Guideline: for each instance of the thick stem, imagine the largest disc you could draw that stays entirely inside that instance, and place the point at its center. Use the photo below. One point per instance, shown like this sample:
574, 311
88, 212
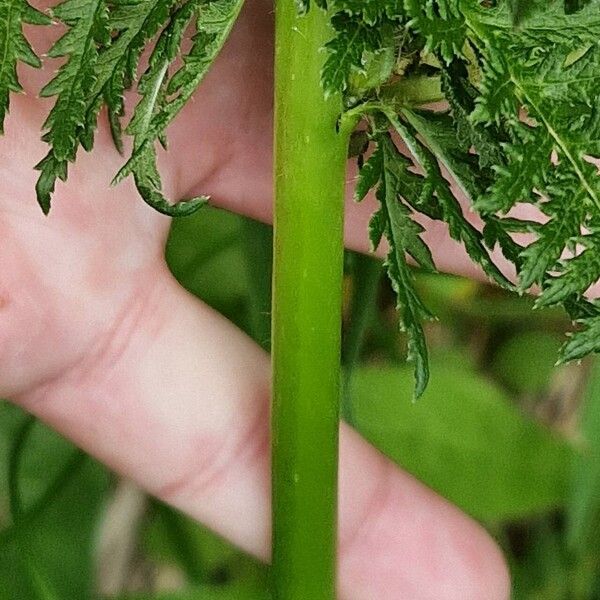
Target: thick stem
310, 166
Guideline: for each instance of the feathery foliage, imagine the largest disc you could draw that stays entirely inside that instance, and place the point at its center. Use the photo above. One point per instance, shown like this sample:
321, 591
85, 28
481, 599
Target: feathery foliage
102, 50
164, 95
387, 170
15, 48
520, 124
517, 122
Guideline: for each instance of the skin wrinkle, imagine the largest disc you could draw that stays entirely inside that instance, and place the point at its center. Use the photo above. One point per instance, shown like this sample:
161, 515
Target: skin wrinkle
112, 414
93, 368
236, 449
17, 343
377, 496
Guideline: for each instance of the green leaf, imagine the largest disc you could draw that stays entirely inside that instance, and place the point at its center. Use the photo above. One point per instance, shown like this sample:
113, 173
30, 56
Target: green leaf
88, 28
59, 556
50, 169
562, 230
441, 23
388, 169
370, 11
205, 254
347, 51
498, 99
525, 362
523, 128
461, 95
525, 171
164, 97
15, 48
87, 22
582, 342
134, 25
369, 175
465, 439
102, 47
443, 138
458, 226
405, 231
576, 274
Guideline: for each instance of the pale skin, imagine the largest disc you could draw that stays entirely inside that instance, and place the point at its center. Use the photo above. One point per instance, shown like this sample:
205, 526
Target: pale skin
100, 342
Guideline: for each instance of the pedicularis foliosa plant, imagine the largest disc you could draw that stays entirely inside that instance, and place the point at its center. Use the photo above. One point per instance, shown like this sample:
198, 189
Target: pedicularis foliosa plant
516, 120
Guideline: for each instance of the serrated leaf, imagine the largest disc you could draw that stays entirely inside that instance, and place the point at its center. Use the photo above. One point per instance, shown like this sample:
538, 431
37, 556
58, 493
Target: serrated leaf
441, 23
163, 97
576, 275
406, 232
134, 24
102, 46
496, 232
387, 169
525, 170
15, 48
562, 229
377, 226
50, 169
461, 96
583, 342
370, 11
458, 226
88, 22
346, 52
87, 26
369, 174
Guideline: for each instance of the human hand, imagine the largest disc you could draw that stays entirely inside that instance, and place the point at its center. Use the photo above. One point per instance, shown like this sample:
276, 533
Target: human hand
98, 340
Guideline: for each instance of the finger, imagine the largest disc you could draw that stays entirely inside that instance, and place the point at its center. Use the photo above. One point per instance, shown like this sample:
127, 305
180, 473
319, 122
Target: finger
230, 158
256, 201
178, 401
229, 155
66, 276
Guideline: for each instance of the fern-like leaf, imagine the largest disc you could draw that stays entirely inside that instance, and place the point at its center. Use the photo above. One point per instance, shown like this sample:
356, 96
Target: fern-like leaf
164, 97
583, 342
15, 48
387, 170
87, 23
441, 23
459, 227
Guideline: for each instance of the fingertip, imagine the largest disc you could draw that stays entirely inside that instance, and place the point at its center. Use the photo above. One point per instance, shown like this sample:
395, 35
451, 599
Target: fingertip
483, 573
401, 541
500, 574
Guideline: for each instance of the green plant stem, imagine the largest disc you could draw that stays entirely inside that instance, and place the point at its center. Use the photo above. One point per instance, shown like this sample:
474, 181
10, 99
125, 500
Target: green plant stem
414, 91
310, 167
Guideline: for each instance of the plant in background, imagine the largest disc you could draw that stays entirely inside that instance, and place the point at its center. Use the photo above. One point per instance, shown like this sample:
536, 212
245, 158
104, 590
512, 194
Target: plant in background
519, 125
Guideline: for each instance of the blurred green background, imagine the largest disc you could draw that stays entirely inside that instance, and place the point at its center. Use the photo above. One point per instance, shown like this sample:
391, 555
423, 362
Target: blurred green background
512, 440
